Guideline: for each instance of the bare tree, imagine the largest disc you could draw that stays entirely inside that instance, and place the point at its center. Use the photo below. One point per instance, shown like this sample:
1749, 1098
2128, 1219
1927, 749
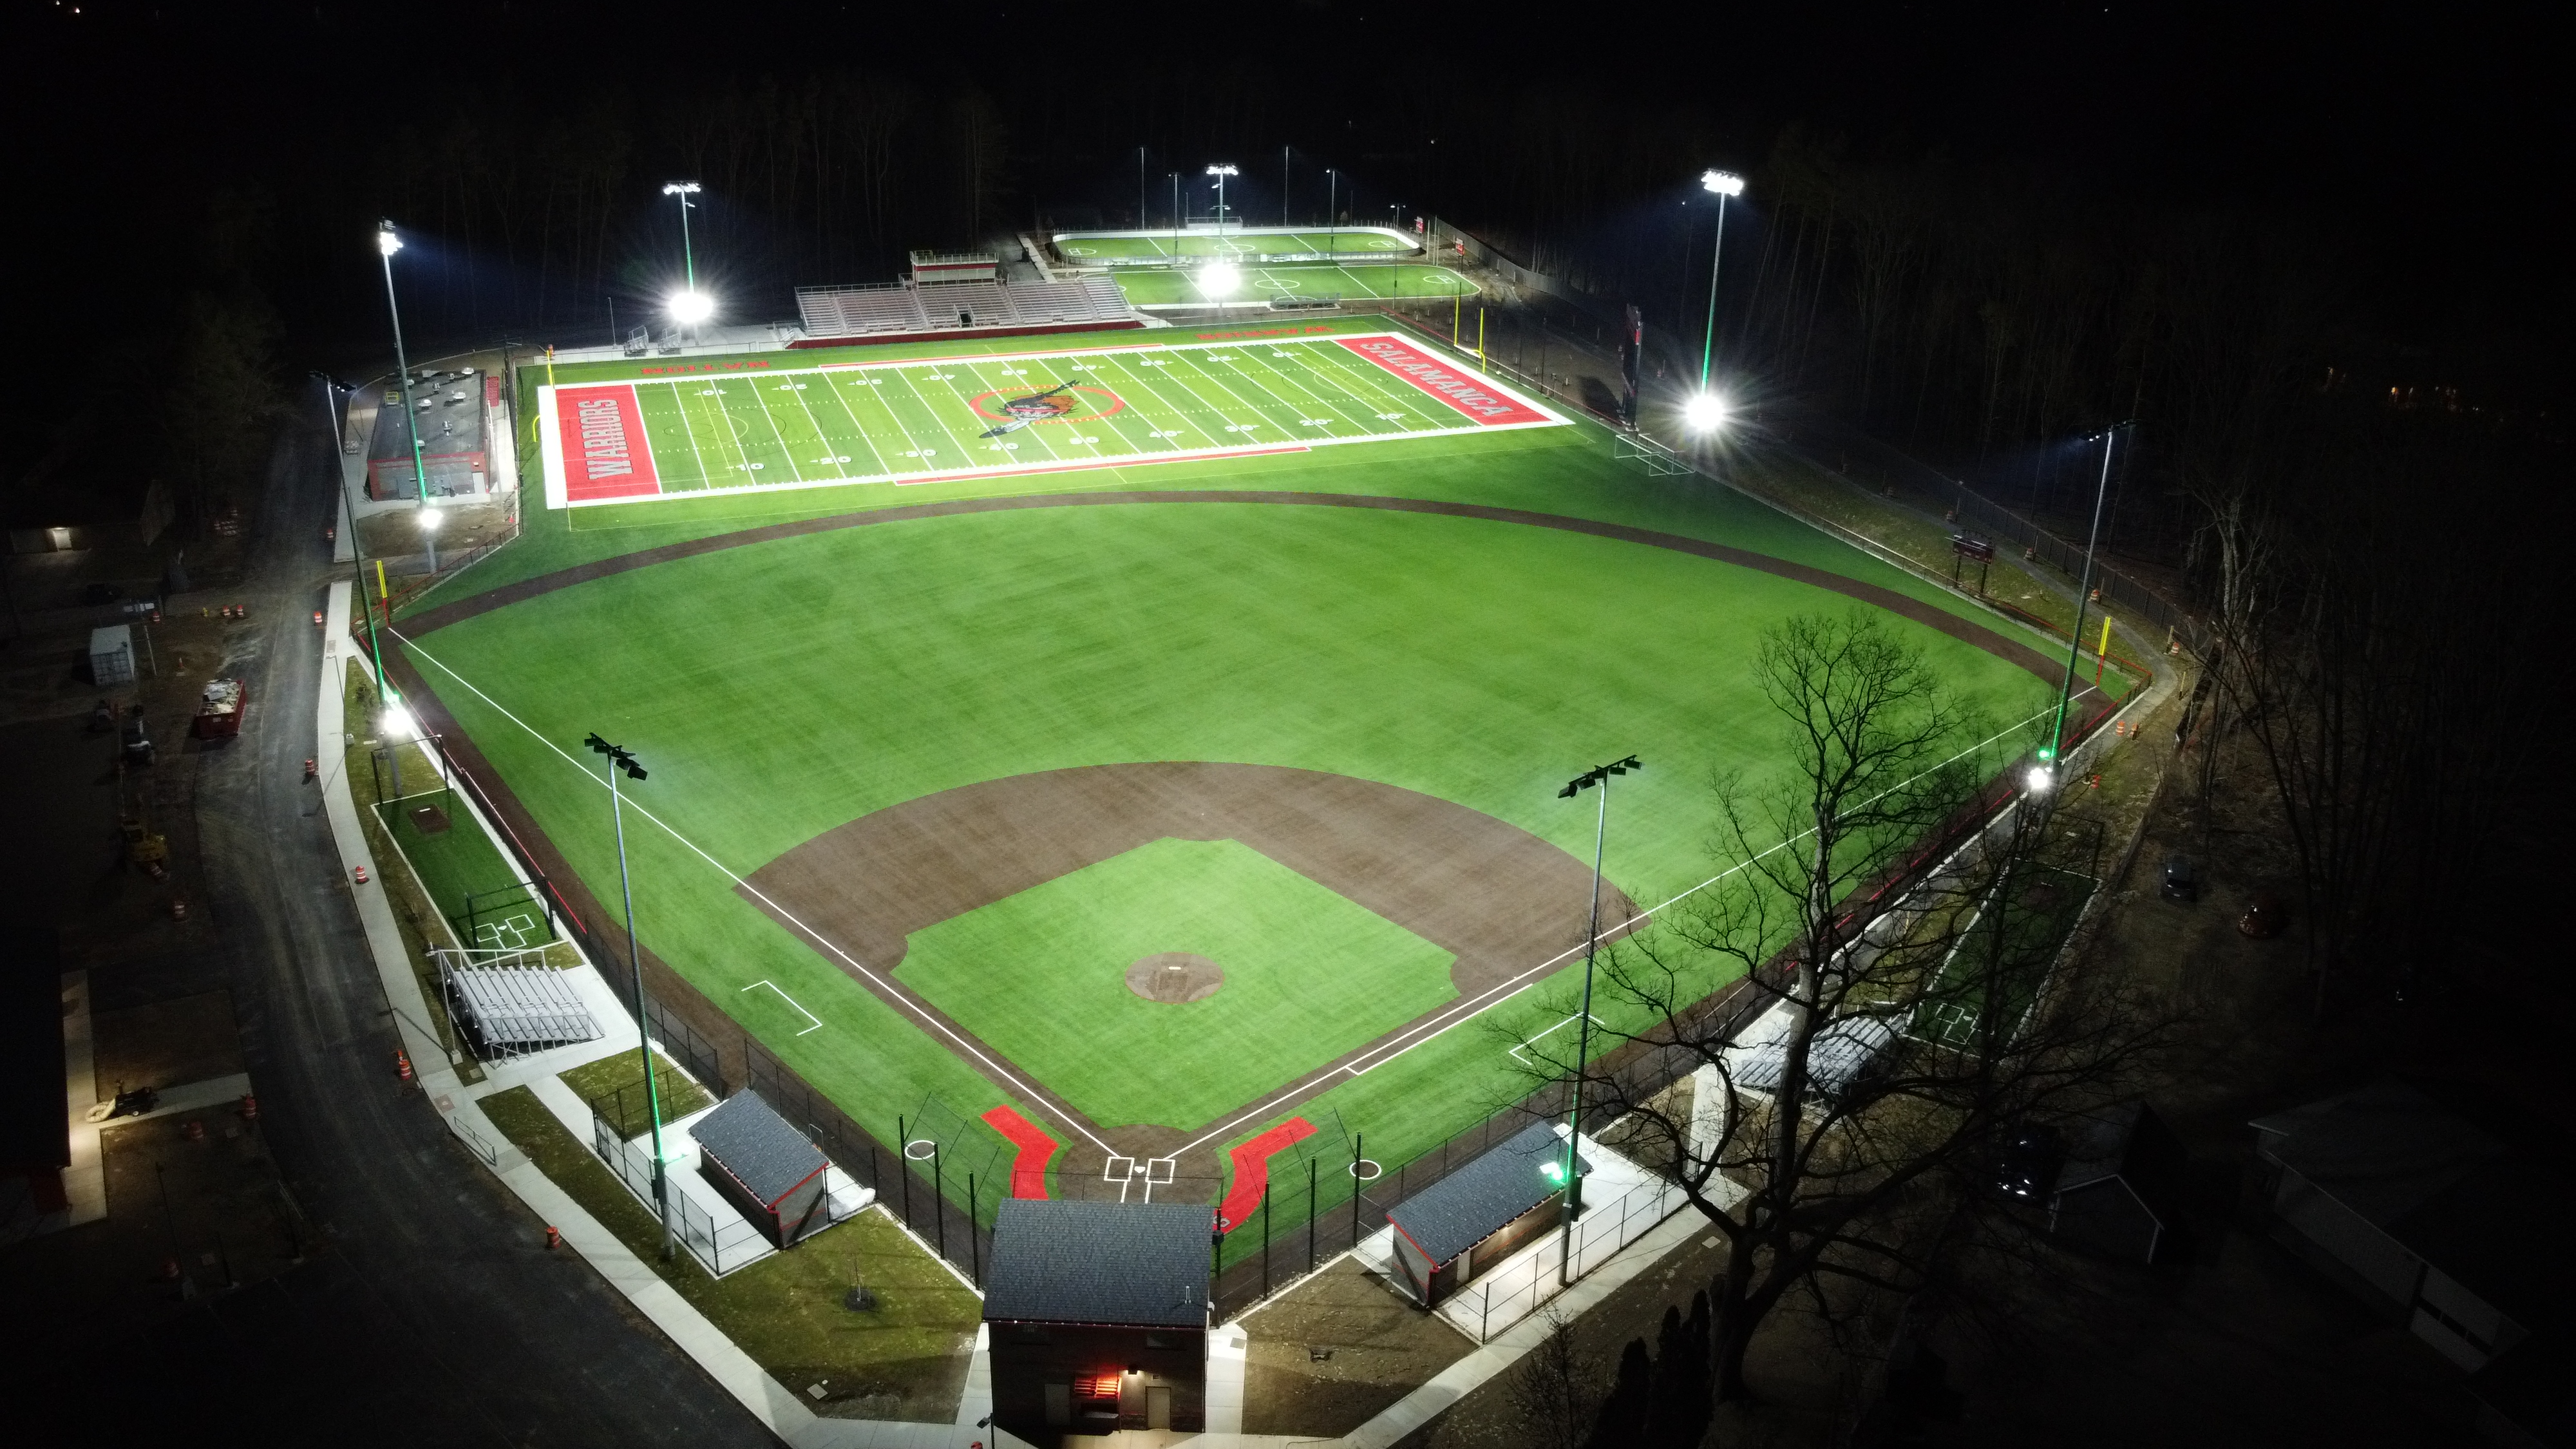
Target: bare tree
1905, 948
1554, 1391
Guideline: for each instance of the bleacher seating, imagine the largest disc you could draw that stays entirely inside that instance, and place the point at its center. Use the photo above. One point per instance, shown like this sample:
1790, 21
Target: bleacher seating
954, 306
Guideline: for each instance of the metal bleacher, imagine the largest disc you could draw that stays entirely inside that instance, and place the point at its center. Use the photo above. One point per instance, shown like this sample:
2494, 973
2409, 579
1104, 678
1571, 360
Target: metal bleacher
955, 306
513, 1009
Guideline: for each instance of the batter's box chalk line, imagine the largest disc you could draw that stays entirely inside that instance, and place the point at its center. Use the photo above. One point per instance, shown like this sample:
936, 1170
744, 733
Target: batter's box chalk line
1542, 1036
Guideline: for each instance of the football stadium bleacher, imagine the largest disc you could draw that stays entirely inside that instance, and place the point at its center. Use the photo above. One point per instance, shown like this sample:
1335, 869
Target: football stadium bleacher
832, 313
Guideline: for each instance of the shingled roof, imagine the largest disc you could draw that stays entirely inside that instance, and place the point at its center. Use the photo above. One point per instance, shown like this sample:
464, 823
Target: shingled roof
757, 1147
1142, 1265
1480, 1199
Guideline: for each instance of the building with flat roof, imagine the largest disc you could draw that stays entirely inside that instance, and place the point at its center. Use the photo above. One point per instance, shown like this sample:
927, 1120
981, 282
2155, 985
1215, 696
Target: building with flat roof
1475, 1217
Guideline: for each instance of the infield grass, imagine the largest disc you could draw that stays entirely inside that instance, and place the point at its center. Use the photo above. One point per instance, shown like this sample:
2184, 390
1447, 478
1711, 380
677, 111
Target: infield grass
1309, 975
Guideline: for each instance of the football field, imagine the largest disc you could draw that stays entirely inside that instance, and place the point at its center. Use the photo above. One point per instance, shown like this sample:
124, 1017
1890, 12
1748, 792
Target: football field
948, 418
1130, 248
1310, 282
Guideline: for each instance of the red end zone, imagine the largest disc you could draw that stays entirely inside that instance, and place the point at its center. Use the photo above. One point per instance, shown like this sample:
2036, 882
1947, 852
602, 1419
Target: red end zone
1485, 406
605, 453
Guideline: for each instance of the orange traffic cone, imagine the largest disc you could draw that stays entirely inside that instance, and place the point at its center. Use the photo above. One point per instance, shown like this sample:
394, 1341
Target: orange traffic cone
402, 1064
554, 1238
249, 1108
362, 875
178, 909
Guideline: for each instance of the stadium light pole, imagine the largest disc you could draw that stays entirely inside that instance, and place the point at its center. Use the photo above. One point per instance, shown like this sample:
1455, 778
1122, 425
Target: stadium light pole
1724, 184
2047, 768
1283, 188
621, 759
1333, 216
1176, 215
688, 256
389, 242
1569, 1175
1221, 172
1140, 188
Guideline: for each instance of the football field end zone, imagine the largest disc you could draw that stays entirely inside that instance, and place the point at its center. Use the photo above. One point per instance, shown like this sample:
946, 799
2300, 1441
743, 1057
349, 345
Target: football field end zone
1484, 404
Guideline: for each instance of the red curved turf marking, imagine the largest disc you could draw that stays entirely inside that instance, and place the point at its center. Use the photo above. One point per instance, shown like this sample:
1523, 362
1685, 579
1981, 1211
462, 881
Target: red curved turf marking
1028, 1170
1252, 1171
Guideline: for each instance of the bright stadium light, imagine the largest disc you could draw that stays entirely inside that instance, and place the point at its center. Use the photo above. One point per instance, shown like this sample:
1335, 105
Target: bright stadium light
397, 723
1706, 412
1724, 183
386, 242
2040, 778
691, 308
1219, 279
1220, 173
430, 518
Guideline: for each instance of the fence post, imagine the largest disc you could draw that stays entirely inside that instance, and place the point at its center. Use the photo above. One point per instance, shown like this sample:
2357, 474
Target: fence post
939, 1199
974, 1245
1310, 1214
1358, 1140
903, 1165
1265, 1239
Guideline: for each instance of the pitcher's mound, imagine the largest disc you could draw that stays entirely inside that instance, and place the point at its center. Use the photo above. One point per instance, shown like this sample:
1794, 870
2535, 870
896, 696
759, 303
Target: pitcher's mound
1175, 976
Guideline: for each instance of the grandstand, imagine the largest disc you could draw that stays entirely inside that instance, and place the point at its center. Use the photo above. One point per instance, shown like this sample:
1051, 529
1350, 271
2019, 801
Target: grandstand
975, 308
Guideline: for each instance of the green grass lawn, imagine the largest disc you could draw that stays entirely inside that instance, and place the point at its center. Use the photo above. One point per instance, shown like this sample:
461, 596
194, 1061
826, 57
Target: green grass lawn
1309, 975
1152, 246
615, 1084
1259, 283
1984, 975
906, 1359
460, 861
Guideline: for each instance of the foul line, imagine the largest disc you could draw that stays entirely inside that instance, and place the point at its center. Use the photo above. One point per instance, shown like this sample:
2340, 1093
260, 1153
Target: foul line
1030, 1093
1474, 1006
783, 996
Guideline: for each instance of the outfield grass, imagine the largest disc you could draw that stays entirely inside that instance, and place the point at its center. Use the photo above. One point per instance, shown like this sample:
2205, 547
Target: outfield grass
1176, 288
1309, 975
615, 1084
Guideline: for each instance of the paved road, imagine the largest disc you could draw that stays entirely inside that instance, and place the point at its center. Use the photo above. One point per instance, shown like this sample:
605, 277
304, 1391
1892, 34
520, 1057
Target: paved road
428, 1313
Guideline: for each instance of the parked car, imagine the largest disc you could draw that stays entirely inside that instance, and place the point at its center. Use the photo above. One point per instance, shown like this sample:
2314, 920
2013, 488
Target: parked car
2181, 884
138, 745
2262, 918
2027, 1167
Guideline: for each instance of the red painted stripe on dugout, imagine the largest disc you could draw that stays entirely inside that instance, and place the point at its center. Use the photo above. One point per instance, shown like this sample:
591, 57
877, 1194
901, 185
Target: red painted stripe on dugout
1486, 406
1252, 1171
1028, 1170
605, 453
1140, 459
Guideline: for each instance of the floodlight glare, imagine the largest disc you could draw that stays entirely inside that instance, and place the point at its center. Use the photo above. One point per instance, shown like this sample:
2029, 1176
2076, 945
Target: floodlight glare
386, 242
691, 308
1724, 183
397, 724
1218, 279
1705, 412
1224, 171
430, 518
680, 188
2040, 778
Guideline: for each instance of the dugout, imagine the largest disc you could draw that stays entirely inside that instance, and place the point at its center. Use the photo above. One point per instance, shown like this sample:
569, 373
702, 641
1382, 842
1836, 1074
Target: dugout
1477, 1216
764, 1166
1098, 1317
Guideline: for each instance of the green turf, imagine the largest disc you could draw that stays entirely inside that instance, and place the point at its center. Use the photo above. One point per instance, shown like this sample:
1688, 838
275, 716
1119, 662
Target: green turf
1983, 974
1115, 248
459, 860
1473, 661
1357, 284
1309, 975
907, 421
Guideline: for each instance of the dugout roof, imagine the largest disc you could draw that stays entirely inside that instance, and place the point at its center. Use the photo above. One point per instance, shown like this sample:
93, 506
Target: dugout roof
757, 1148
1140, 1265
1483, 1197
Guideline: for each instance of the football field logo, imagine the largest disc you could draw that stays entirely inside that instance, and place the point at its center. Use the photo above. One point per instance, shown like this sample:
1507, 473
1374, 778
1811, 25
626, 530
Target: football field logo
1061, 403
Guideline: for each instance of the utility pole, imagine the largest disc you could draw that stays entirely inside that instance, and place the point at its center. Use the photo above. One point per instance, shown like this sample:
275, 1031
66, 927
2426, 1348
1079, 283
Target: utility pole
1570, 1175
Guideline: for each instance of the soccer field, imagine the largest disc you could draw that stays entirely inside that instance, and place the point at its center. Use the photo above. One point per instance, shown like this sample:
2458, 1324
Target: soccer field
944, 419
1126, 248
1175, 287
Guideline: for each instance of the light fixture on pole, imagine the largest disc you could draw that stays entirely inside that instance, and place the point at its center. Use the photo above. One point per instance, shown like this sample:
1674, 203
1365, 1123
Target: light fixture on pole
623, 760
688, 308
1705, 412
1283, 188
1220, 173
2056, 746
1572, 1172
389, 242
1723, 184
1332, 217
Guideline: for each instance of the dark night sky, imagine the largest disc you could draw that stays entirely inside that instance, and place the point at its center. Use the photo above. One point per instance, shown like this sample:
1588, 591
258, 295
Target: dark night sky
2423, 136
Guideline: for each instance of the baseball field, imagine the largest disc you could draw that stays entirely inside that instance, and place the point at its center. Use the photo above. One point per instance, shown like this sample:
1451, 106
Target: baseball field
1168, 799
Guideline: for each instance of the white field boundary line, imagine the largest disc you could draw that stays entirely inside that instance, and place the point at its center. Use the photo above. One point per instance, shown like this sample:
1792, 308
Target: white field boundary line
1502, 991
790, 1000
1028, 1092
556, 495
1542, 1036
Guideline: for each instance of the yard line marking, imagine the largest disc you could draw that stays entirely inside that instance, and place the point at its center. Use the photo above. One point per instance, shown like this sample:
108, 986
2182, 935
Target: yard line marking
1029, 1092
1293, 380
680, 405
886, 408
914, 389
993, 445
831, 449
1182, 413
790, 1000
774, 432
